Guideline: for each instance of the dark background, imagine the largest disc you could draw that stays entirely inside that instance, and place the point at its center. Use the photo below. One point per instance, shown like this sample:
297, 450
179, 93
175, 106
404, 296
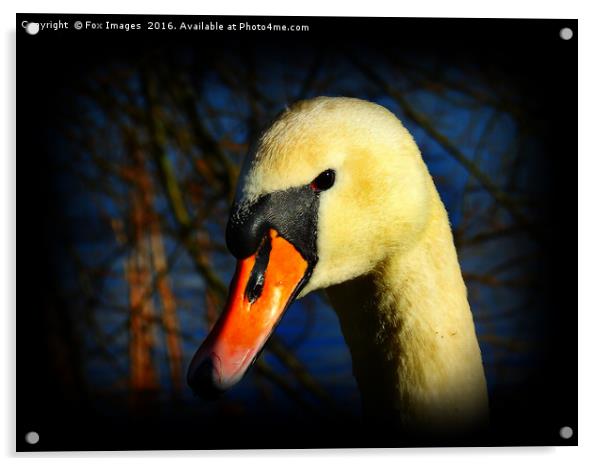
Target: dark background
108, 124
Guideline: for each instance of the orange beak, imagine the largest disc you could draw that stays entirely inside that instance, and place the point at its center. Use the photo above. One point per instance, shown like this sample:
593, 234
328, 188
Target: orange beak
262, 288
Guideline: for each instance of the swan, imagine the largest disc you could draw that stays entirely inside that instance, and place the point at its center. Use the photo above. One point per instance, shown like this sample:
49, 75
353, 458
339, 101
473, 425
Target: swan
335, 195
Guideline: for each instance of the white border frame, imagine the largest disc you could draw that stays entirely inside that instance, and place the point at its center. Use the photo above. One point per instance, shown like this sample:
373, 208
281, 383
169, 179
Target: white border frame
590, 227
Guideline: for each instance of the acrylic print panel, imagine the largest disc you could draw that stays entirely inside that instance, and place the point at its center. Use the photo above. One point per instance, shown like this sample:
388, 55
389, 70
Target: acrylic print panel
162, 158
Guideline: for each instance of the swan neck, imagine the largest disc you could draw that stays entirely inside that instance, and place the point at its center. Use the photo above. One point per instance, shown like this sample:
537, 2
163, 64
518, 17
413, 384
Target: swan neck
412, 339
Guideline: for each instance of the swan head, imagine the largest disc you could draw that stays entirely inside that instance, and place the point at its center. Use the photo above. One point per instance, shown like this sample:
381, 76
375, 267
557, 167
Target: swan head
330, 190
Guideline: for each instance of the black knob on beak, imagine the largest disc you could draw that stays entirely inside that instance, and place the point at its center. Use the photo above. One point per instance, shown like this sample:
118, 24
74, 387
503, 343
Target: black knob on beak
293, 213
247, 226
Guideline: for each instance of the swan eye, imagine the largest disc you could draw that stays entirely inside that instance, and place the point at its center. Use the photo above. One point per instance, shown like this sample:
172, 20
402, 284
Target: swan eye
323, 181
